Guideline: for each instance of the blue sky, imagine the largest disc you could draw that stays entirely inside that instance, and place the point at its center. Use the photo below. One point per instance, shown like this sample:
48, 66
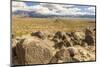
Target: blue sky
55, 9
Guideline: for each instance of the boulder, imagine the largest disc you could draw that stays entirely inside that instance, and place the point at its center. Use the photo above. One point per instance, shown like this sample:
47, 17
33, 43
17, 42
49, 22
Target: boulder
33, 50
62, 39
88, 31
59, 45
14, 43
12, 36
15, 60
83, 55
38, 34
59, 35
61, 56
72, 51
78, 37
67, 41
73, 54
89, 39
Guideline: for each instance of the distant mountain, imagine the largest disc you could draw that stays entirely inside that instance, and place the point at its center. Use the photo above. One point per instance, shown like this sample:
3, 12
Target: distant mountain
33, 14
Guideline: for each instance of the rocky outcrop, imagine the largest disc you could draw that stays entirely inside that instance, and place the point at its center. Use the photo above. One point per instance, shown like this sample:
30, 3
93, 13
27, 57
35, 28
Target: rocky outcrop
73, 54
57, 47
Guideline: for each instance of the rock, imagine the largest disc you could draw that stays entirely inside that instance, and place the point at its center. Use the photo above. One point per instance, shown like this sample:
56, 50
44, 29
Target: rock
18, 38
89, 40
89, 37
88, 32
67, 40
84, 44
94, 29
73, 54
72, 51
78, 37
69, 34
84, 55
64, 55
61, 56
49, 47
62, 39
33, 50
38, 34
59, 35
12, 36
15, 60
58, 45
14, 43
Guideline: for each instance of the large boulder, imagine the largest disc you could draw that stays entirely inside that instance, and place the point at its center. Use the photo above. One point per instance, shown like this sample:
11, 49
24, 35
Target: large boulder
33, 50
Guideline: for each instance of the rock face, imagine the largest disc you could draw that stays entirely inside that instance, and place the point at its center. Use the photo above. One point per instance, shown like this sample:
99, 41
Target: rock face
57, 47
33, 51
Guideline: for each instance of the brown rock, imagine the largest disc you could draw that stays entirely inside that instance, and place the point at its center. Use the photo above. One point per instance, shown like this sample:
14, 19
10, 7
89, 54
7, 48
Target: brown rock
33, 51
61, 56
38, 34
89, 37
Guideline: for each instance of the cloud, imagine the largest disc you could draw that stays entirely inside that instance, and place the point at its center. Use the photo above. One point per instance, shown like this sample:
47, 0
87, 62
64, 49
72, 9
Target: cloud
41, 10
17, 5
53, 9
20, 6
92, 9
56, 9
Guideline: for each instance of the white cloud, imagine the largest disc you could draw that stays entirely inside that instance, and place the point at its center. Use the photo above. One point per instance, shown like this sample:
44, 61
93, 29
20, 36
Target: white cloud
92, 9
40, 9
20, 6
55, 9
60, 9
17, 5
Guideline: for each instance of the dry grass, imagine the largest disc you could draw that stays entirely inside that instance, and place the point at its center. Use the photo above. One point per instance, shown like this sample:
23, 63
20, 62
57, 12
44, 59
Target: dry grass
22, 26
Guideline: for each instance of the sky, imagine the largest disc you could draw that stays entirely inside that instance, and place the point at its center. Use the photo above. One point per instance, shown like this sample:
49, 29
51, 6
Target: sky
53, 9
